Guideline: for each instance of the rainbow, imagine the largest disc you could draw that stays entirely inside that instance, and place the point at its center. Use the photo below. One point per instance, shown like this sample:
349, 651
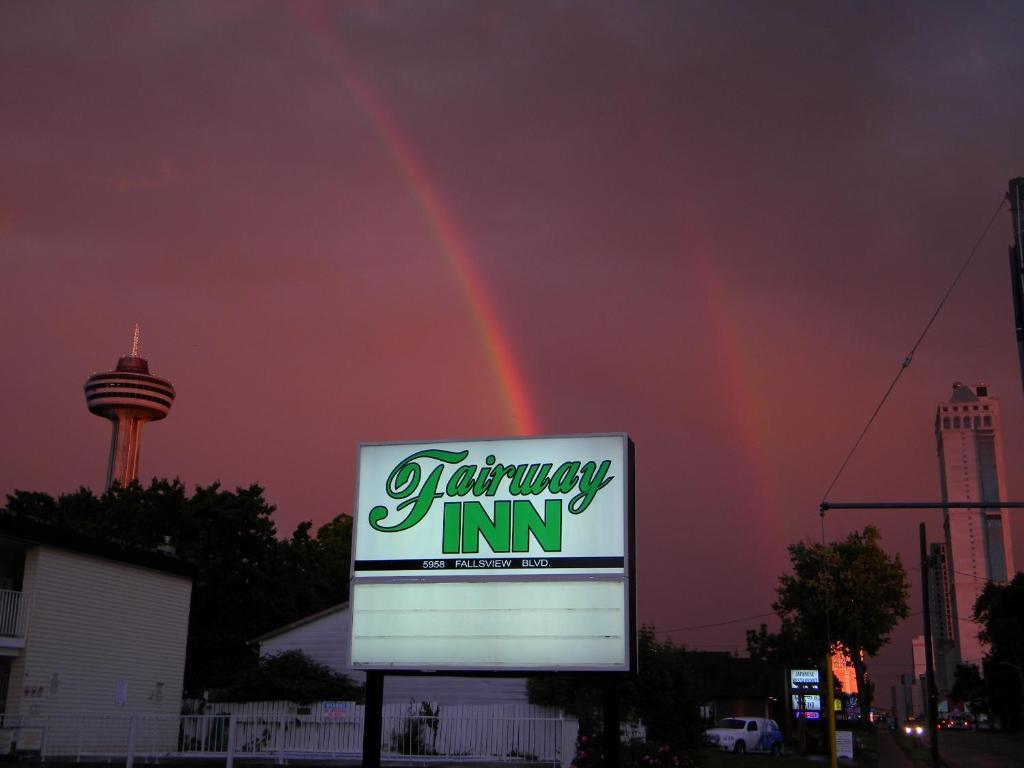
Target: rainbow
740, 392
448, 235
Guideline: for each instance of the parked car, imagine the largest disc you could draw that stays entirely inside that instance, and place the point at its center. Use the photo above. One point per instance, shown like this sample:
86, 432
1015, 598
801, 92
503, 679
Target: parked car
745, 734
984, 723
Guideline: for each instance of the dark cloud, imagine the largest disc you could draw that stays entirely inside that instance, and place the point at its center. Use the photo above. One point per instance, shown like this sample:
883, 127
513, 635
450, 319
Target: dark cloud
718, 226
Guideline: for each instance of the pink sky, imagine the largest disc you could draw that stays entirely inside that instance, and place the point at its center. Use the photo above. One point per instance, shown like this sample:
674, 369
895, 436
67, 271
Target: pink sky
716, 226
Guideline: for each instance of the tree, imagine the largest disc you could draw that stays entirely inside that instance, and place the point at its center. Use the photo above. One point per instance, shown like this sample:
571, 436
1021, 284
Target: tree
662, 694
789, 647
292, 676
970, 687
245, 581
1000, 611
849, 592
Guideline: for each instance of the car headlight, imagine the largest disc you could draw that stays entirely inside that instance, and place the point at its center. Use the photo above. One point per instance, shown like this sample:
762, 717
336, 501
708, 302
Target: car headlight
919, 730
907, 729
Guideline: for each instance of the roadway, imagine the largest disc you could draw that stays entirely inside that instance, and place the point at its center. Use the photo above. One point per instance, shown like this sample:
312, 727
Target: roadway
982, 749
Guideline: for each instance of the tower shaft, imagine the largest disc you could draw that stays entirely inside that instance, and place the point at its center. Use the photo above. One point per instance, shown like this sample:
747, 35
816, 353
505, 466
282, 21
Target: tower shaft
125, 438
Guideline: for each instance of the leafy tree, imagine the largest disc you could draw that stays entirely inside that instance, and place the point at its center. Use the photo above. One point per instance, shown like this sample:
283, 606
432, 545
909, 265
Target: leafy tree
850, 592
789, 647
662, 694
291, 676
246, 581
1000, 611
970, 687
316, 569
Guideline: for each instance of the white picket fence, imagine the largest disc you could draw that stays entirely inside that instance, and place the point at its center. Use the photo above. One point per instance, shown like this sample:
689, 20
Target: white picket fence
492, 731
502, 733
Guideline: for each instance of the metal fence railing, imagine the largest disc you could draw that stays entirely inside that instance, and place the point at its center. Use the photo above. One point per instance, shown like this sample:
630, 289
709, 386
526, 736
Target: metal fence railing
282, 738
13, 613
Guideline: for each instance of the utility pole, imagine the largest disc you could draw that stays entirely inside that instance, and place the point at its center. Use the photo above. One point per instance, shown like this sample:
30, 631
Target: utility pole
929, 662
830, 707
1016, 197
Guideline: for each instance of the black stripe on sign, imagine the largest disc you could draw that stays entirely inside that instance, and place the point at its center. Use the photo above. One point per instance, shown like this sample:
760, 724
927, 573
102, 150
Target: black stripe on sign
489, 563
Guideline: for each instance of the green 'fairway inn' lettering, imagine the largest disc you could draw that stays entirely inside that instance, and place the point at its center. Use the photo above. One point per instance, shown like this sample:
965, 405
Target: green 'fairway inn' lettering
509, 530
513, 523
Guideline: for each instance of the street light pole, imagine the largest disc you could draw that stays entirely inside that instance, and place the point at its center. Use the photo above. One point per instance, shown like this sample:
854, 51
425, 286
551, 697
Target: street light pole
929, 662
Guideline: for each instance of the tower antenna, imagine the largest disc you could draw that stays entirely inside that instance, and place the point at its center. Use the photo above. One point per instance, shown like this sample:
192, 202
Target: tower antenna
135, 342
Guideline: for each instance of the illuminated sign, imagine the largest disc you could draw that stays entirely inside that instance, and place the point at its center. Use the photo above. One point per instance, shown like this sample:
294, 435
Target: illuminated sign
803, 677
807, 701
494, 555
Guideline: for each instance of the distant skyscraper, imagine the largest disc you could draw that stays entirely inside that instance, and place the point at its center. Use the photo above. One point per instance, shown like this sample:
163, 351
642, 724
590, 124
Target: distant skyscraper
979, 547
943, 633
129, 396
919, 695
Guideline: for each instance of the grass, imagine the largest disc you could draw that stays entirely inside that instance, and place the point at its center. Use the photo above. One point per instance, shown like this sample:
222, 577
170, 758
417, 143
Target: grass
867, 757
916, 747
708, 758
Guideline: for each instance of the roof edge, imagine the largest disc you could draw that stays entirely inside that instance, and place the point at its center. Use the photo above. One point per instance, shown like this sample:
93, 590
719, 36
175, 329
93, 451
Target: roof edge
31, 531
301, 622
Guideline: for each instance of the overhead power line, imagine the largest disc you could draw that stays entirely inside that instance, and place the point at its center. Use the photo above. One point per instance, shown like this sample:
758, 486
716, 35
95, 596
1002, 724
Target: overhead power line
716, 624
910, 355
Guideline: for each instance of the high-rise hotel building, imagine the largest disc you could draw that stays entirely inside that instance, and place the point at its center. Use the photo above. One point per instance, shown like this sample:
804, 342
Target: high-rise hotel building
979, 547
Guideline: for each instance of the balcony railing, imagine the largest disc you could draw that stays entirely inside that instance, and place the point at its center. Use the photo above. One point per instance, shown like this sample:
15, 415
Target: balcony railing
13, 613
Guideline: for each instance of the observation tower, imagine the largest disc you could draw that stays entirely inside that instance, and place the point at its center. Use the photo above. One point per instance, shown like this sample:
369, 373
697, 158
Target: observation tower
129, 396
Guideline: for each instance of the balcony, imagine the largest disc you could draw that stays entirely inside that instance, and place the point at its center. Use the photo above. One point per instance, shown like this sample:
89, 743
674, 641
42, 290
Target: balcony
14, 607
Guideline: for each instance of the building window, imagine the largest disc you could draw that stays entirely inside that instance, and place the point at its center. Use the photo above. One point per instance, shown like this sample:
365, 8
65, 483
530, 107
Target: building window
945, 422
956, 421
988, 421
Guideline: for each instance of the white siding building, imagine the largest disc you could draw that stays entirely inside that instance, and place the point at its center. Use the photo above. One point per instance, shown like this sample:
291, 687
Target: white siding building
87, 627
326, 637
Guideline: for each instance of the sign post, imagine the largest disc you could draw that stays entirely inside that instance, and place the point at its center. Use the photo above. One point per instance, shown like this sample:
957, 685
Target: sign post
373, 719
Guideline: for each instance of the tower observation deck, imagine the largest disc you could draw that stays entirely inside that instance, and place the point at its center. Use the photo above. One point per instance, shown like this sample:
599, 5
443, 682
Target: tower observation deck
128, 396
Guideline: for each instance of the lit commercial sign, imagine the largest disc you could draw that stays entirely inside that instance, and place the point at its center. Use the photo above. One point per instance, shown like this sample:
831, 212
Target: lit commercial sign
803, 677
807, 701
494, 555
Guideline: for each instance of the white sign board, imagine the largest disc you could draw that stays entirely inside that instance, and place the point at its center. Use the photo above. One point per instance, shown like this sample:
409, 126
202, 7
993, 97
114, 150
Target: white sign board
29, 739
337, 710
494, 555
844, 744
803, 677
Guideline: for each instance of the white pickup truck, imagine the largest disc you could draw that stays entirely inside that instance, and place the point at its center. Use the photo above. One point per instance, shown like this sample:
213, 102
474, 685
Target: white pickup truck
746, 734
